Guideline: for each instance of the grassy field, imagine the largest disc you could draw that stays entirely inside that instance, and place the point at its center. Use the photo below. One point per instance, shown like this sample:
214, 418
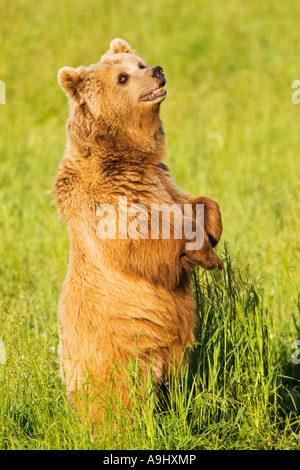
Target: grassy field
233, 134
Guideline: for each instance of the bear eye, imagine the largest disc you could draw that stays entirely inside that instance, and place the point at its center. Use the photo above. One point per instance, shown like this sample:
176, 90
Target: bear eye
122, 78
142, 66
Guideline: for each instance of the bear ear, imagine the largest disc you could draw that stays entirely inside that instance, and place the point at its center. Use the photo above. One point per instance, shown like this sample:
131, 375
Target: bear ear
119, 45
69, 79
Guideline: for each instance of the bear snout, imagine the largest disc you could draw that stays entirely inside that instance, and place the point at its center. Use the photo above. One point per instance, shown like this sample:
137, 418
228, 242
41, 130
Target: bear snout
157, 72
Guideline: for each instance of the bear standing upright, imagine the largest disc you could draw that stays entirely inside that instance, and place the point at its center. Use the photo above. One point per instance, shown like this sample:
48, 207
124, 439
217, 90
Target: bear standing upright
123, 296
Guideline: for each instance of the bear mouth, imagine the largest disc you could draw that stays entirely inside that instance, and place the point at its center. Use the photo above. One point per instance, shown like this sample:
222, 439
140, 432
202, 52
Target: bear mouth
159, 92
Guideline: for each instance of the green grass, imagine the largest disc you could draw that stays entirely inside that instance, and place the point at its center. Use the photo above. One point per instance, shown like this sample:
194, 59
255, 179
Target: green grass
233, 134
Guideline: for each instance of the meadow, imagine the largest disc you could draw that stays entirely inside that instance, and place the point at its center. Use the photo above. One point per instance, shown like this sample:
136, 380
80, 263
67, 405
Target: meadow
233, 134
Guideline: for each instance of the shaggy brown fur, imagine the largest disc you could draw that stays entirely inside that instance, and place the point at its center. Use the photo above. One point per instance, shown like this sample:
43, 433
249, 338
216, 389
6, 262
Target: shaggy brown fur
122, 297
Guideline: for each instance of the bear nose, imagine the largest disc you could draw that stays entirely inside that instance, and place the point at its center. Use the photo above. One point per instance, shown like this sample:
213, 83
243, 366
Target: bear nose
156, 72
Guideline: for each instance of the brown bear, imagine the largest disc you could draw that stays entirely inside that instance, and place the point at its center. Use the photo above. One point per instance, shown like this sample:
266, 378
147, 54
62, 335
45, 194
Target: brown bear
124, 296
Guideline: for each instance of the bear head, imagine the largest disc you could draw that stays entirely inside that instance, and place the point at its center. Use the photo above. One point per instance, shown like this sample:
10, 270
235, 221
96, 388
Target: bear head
115, 102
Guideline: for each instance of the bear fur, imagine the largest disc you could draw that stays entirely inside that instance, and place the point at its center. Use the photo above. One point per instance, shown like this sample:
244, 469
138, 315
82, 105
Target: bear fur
123, 297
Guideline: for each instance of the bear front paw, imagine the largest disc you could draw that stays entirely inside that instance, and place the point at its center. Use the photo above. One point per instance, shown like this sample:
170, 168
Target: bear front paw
212, 261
